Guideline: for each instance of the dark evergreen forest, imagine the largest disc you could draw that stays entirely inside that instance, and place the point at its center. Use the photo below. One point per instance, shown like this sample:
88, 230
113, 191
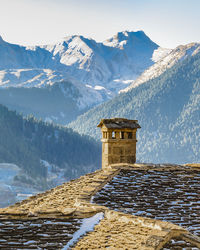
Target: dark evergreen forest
27, 141
168, 110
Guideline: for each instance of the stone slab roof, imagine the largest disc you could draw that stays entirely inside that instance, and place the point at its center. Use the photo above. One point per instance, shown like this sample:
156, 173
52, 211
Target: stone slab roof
153, 193
119, 123
120, 231
116, 230
38, 233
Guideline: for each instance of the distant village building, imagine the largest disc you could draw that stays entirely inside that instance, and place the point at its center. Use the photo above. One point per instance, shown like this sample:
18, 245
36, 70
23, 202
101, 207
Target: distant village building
118, 141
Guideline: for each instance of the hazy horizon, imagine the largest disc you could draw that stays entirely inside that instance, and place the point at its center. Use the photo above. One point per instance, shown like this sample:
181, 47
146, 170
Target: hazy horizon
33, 22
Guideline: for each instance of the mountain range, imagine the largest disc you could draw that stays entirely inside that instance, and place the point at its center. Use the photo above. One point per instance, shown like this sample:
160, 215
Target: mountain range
67, 82
86, 73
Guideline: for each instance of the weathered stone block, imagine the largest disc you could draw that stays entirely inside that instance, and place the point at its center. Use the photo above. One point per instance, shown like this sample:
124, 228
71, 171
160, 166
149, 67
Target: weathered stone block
118, 150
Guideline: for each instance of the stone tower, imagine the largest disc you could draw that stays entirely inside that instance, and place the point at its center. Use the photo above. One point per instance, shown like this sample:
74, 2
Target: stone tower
118, 141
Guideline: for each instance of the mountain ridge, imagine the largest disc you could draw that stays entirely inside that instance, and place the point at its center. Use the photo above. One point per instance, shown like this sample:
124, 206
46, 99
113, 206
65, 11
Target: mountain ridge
167, 108
93, 70
172, 57
82, 53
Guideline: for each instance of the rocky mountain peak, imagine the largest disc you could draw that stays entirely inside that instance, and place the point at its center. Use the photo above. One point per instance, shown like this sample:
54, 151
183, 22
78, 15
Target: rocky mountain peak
129, 38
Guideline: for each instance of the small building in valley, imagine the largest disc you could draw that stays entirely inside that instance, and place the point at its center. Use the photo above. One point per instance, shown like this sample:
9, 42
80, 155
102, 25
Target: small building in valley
118, 141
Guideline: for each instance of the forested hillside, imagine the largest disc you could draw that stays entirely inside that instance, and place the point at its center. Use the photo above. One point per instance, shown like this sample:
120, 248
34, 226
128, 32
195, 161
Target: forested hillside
168, 110
49, 103
26, 142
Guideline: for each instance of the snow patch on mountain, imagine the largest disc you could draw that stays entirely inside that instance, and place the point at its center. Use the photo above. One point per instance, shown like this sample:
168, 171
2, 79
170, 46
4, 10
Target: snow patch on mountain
30, 77
90, 95
160, 53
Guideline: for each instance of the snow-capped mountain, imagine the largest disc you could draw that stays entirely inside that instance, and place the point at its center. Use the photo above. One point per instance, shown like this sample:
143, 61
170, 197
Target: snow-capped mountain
122, 57
169, 59
94, 71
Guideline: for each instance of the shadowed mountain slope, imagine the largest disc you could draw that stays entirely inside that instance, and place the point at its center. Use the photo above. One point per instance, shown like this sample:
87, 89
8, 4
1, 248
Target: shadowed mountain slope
28, 142
168, 110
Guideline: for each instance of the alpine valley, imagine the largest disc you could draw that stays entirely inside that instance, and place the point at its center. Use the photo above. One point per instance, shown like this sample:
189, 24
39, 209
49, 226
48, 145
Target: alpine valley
78, 81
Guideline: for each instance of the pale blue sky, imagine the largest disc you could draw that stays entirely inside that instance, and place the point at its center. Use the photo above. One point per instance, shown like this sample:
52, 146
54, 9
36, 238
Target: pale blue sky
167, 22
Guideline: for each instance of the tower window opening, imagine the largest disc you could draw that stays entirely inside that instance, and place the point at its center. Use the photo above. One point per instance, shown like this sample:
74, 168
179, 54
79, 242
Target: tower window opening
113, 135
130, 135
104, 134
121, 135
